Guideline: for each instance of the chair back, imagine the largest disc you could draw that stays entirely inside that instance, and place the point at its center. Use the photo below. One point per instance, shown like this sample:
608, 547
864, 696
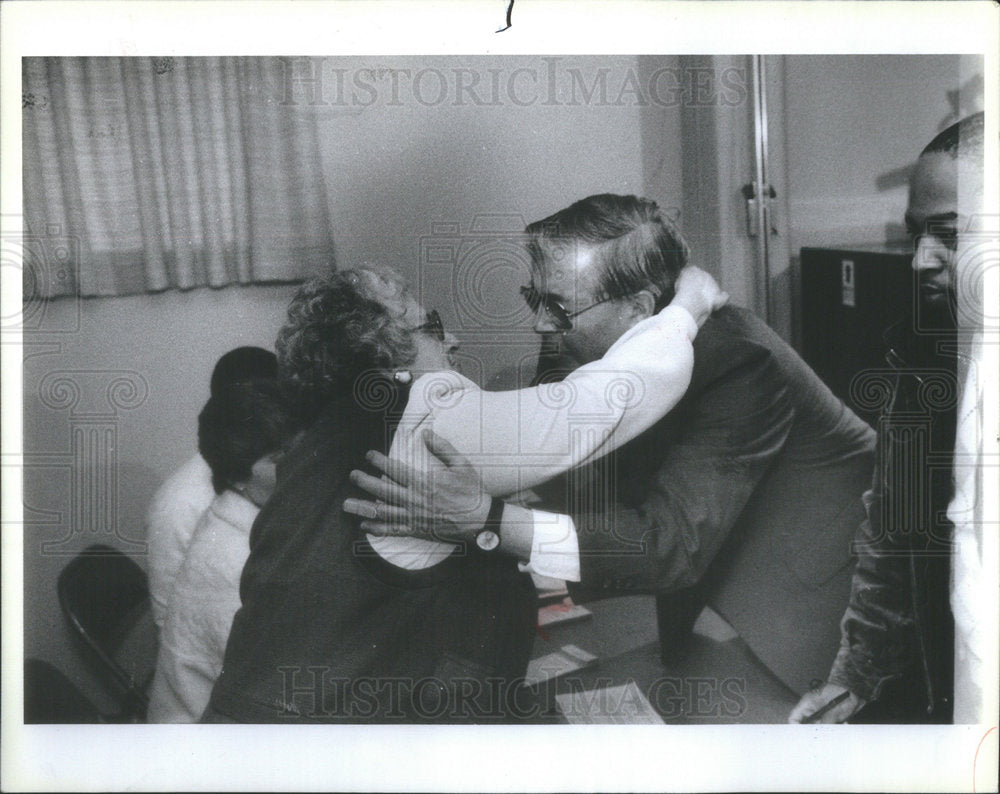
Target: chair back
104, 597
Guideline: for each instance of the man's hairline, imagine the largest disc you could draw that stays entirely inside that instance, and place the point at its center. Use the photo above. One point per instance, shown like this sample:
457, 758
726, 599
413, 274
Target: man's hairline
968, 159
591, 264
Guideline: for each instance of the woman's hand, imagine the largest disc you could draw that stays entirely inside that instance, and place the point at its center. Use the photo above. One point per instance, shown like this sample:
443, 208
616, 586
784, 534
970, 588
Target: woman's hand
699, 293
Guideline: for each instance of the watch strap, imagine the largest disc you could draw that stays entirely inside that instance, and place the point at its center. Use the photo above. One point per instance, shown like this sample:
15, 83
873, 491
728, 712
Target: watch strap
495, 517
488, 538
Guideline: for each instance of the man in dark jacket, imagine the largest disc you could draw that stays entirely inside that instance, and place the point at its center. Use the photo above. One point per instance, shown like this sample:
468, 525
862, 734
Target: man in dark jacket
898, 631
745, 497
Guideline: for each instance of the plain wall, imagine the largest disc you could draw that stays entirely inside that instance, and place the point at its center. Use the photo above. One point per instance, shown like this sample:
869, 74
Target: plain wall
854, 127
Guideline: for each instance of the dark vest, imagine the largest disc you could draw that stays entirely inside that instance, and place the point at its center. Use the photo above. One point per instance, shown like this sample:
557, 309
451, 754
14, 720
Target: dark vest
330, 632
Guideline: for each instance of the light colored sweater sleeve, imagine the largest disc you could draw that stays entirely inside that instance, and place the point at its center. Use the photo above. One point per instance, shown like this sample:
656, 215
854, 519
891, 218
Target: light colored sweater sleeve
200, 611
518, 439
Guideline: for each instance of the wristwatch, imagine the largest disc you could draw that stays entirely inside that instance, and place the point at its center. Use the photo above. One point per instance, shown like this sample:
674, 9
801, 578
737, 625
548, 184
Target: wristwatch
488, 537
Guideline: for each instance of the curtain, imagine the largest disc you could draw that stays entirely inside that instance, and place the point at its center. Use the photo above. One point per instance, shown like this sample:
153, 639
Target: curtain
159, 173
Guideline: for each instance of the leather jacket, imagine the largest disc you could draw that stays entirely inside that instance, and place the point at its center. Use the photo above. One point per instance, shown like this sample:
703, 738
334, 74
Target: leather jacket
897, 635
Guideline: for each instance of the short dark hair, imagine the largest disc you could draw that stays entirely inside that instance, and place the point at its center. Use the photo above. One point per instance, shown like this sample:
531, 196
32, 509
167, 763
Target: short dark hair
240, 424
244, 365
337, 330
964, 137
637, 246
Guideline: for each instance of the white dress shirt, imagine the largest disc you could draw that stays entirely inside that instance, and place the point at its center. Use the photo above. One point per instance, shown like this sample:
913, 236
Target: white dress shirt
519, 439
974, 572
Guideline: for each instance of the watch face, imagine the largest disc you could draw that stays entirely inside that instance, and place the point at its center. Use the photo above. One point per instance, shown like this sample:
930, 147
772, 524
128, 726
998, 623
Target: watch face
487, 540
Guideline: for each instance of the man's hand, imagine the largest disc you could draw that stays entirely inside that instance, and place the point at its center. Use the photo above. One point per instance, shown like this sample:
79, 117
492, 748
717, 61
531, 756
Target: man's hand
816, 699
443, 500
699, 293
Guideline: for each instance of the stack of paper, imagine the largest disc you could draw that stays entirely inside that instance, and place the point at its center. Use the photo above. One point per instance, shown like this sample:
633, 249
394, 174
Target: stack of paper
617, 705
563, 612
567, 659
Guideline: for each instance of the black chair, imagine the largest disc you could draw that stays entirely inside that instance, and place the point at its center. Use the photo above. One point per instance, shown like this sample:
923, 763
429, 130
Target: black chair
51, 698
104, 596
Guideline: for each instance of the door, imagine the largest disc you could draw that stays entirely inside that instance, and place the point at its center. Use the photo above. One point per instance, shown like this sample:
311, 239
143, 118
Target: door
734, 186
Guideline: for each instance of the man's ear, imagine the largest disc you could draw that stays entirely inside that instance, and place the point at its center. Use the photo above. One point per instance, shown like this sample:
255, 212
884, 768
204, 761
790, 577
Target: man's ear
642, 304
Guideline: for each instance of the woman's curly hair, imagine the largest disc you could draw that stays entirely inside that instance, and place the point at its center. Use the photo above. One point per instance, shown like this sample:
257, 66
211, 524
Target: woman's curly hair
338, 329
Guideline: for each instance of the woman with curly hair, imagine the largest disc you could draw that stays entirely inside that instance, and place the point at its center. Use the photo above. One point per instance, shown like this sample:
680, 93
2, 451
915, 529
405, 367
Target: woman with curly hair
338, 626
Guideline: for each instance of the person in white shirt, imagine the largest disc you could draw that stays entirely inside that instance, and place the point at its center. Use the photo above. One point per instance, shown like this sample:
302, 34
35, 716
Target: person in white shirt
976, 564
179, 502
240, 432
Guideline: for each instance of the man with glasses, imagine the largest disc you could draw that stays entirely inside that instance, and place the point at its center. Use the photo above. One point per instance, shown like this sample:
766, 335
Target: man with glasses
744, 497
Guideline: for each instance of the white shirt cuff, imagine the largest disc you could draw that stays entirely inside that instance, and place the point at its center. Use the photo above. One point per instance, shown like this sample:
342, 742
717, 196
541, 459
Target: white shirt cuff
686, 320
555, 551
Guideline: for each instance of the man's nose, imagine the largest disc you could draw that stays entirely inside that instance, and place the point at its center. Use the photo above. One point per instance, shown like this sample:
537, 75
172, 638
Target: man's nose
451, 342
930, 254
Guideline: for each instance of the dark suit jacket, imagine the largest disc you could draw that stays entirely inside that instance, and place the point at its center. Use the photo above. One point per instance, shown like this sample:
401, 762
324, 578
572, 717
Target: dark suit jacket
751, 487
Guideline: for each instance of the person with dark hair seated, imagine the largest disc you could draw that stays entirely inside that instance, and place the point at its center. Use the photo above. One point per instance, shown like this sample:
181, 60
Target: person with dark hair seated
340, 626
240, 433
243, 365
180, 501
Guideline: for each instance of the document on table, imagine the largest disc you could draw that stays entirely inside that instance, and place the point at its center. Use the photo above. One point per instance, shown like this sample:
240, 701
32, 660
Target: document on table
563, 612
567, 659
617, 705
